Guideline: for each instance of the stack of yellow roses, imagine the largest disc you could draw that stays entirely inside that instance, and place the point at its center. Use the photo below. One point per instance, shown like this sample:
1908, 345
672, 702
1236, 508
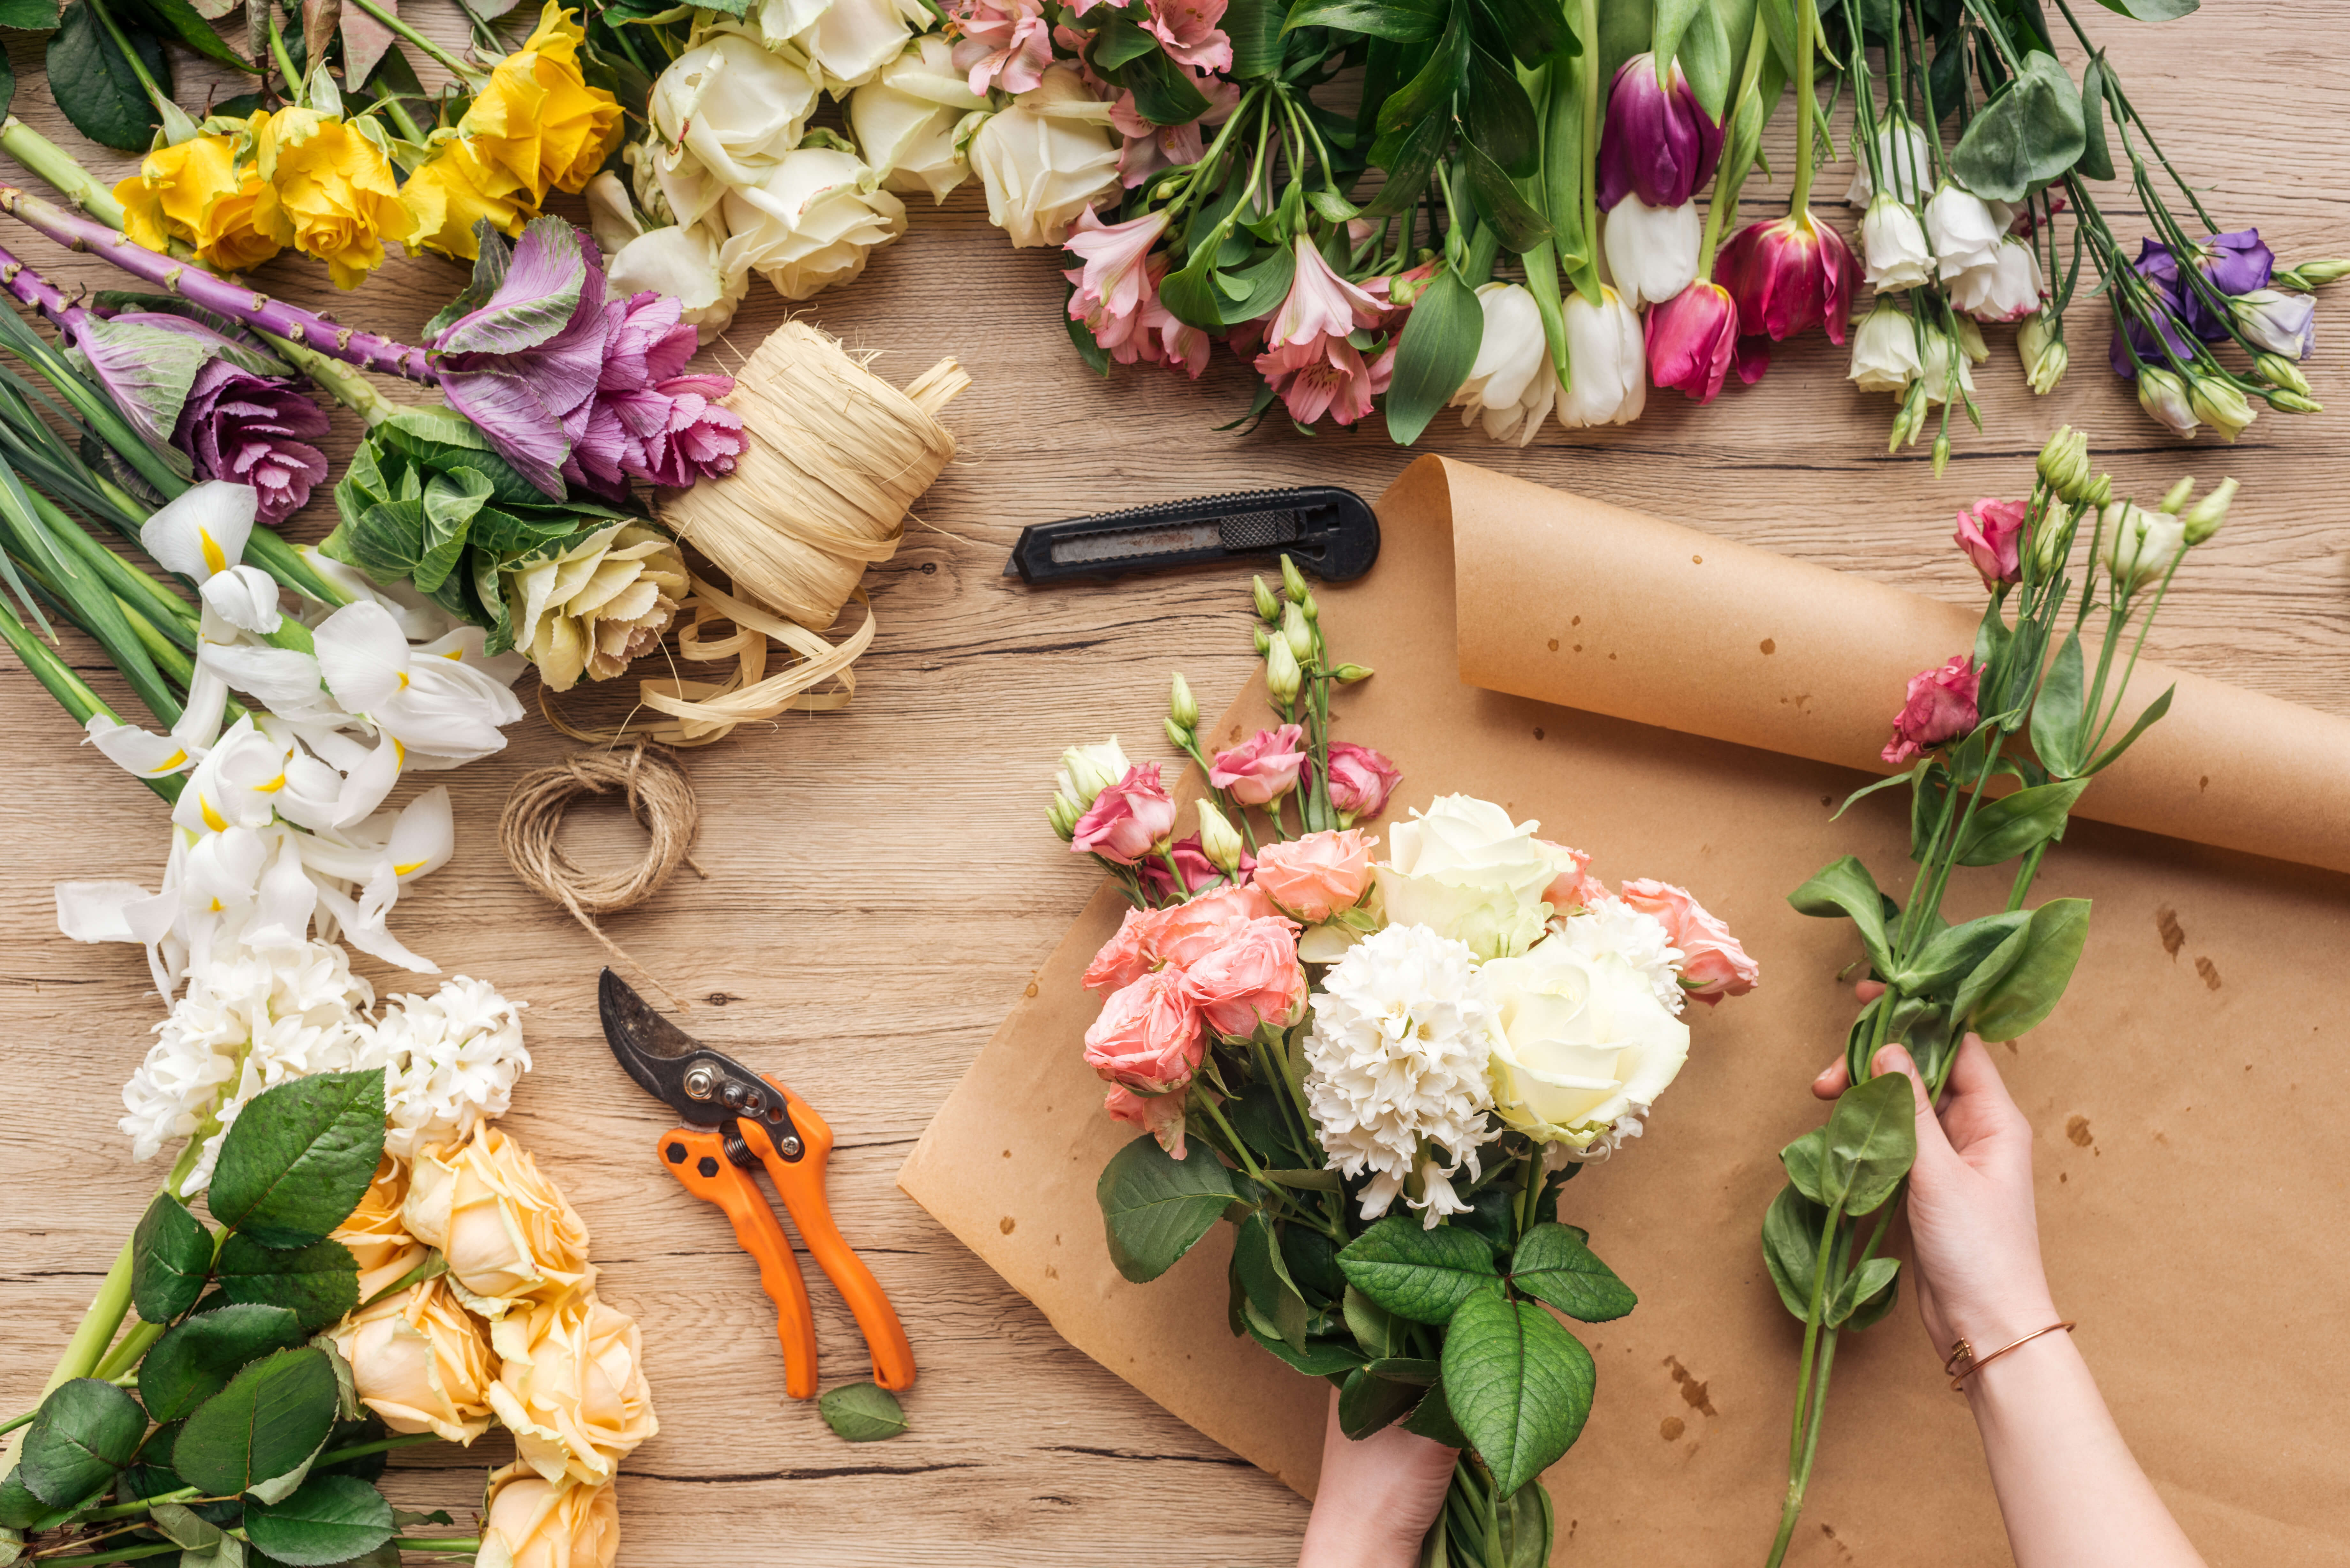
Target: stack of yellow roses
512, 1332
244, 190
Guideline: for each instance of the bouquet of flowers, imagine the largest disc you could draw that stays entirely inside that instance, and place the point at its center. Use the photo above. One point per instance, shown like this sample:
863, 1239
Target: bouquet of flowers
1382, 1073
2027, 704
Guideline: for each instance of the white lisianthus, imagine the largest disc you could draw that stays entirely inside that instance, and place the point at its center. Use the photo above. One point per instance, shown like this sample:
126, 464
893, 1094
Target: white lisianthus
810, 223
1944, 366
1651, 251
1464, 869
1511, 386
2276, 321
450, 1060
2163, 396
1893, 247
1050, 156
2137, 546
1611, 925
1901, 155
2045, 358
1086, 771
725, 112
1884, 350
1584, 1045
909, 118
1962, 230
847, 41
2008, 288
1395, 1068
1609, 359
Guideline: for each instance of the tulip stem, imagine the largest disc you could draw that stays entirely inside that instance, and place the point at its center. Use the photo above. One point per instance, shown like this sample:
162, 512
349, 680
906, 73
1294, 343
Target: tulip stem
1807, 103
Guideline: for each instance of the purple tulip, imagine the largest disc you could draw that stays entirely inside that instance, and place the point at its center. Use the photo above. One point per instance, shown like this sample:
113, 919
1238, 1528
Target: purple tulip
1658, 143
2232, 263
253, 430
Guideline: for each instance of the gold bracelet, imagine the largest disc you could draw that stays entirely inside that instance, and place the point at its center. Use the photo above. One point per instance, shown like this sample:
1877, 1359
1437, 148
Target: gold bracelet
1962, 1362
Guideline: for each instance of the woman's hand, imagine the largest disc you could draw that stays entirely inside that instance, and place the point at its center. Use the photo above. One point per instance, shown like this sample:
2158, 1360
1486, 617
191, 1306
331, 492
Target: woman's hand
1377, 1499
1971, 1221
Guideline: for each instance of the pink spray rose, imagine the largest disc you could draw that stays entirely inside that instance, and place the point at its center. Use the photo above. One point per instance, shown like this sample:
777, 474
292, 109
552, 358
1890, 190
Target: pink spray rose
1160, 1116
1001, 43
1261, 768
1252, 978
1125, 958
1199, 873
1992, 535
1190, 931
1128, 819
1575, 888
1148, 1037
1941, 707
1360, 779
1712, 964
1314, 878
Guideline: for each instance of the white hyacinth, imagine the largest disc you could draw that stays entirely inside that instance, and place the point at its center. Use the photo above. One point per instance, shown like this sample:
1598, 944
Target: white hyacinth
1396, 1067
450, 1061
1613, 926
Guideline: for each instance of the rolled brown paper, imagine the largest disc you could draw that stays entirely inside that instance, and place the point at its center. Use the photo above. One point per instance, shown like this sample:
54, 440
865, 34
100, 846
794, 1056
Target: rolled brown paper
1572, 601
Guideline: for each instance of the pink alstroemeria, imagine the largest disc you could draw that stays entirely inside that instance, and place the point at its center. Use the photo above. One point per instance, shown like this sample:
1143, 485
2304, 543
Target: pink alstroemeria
1693, 338
1112, 279
1320, 305
1001, 42
1788, 276
1180, 344
1188, 31
1399, 293
1150, 148
1326, 375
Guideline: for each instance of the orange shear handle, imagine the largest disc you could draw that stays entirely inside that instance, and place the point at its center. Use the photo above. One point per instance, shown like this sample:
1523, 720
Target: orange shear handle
800, 1182
697, 1157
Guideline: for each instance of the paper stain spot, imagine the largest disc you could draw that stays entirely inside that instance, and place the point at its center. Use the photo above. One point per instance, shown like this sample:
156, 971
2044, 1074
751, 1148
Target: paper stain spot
1696, 560
1007, 1224
1007, 1154
2062, 1176
1578, 648
1670, 1428
2203, 784
1576, 621
1693, 1392
2210, 972
2166, 925
2076, 1127
1031, 991
1538, 734
1554, 645
1770, 645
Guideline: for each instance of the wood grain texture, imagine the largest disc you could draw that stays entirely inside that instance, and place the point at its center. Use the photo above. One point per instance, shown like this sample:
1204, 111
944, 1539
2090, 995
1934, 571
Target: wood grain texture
881, 882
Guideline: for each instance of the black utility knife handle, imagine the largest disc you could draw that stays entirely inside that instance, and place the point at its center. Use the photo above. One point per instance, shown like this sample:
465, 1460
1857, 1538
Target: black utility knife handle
1329, 532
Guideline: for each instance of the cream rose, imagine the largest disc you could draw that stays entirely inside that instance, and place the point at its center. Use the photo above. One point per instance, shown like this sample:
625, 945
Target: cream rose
810, 222
726, 111
1464, 871
509, 1235
1584, 1046
1047, 158
847, 41
377, 1236
906, 118
571, 1388
419, 1360
531, 1522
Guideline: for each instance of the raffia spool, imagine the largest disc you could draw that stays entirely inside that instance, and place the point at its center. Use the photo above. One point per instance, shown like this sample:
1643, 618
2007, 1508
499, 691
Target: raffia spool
834, 459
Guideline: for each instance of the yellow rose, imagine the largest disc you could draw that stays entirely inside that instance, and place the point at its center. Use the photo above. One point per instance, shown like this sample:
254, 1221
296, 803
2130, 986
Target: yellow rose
571, 1388
198, 195
337, 197
450, 192
534, 1523
422, 1362
508, 1234
538, 123
375, 1235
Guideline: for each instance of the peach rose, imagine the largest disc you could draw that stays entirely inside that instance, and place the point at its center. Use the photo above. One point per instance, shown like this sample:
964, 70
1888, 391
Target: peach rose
1314, 878
377, 1236
509, 1234
1574, 887
571, 1388
1252, 979
1125, 958
1189, 932
1160, 1116
531, 1522
1714, 965
1261, 768
1148, 1037
420, 1360
1128, 819
1360, 779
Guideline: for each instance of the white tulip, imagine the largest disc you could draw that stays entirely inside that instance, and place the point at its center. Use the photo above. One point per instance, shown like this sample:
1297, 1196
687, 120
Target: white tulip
847, 41
1511, 386
1901, 153
2008, 289
1651, 251
906, 118
1893, 247
810, 223
1884, 350
726, 111
1047, 158
1962, 230
1607, 361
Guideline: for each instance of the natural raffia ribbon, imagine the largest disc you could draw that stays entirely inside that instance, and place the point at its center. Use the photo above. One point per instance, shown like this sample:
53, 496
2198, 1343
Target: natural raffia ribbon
659, 796
835, 458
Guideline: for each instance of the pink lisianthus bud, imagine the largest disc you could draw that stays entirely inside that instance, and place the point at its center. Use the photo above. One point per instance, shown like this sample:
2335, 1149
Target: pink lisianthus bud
1712, 964
253, 430
1693, 338
1199, 873
1160, 1116
1261, 768
1658, 143
1315, 877
1128, 819
1147, 1038
1939, 709
1788, 276
1992, 534
1001, 43
1360, 779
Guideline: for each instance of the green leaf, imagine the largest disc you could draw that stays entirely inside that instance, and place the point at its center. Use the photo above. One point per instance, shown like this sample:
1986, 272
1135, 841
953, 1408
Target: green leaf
1519, 1385
1416, 1370
28, 15
2154, 711
1156, 1208
1710, 59
1320, 1358
1538, 30
1956, 950
1555, 1263
1669, 20
1255, 28
2029, 990
95, 85
1433, 1419
1846, 887
862, 1413
451, 500
271, 1418
1399, 21
2056, 711
1791, 1246
1872, 1141
299, 1158
438, 439
184, 25
318, 1284
1122, 40
1431, 89
1437, 350
2012, 824
1870, 1286
2030, 134
1368, 1403
1190, 292
2096, 154
22, 1512
195, 1359
1519, 225
2151, 10
86, 1431
1164, 90
183, 1527
7, 83
1625, 28
1373, 1326
1312, 1261
1498, 118
329, 1518
171, 1253
1264, 1276
1423, 1275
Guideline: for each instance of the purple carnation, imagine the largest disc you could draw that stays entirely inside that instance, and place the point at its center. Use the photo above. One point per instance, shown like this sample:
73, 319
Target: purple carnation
253, 430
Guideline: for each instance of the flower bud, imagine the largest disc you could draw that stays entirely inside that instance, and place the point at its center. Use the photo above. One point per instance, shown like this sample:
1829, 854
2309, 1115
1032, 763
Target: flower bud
1268, 607
1086, 771
1177, 736
1310, 608
2221, 405
2051, 542
2099, 493
1182, 710
1941, 452
2203, 519
1220, 841
2181, 493
1263, 641
1911, 419
2064, 463
2295, 404
2279, 371
1062, 815
2139, 546
1296, 633
2045, 357
2166, 400
1281, 676
1347, 674
1293, 581
2311, 275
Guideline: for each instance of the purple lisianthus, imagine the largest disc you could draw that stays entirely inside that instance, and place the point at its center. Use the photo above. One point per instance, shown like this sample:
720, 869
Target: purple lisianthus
2231, 263
1658, 142
253, 430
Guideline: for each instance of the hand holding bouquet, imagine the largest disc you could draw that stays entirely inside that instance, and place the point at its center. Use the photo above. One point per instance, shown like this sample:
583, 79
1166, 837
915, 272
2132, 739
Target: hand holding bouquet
1382, 1072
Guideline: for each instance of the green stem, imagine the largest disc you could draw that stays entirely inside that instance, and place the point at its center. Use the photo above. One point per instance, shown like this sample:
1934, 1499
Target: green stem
2121, 693
342, 382
2023, 875
155, 94
74, 695
133, 1510
128, 1349
437, 1542
470, 75
1166, 856
96, 1330
111, 1555
1594, 88
333, 1457
278, 52
55, 165
1812, 1315
1725, 185
1807, 105
1798, 1482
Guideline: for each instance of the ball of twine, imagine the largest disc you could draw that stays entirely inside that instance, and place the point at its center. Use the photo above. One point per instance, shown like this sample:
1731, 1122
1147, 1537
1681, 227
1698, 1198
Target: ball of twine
659, 796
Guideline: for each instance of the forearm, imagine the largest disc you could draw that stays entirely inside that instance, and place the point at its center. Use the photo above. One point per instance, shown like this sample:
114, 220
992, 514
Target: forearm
2072, 1495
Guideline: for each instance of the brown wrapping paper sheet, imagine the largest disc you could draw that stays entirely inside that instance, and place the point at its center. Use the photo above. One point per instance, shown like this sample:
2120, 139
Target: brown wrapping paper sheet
2185, 1096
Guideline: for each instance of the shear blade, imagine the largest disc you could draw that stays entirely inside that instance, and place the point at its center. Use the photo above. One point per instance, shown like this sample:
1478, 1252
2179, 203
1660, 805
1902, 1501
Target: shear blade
657, 1054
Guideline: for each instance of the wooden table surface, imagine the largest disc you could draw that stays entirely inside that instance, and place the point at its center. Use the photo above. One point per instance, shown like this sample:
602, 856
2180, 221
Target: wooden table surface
882, 883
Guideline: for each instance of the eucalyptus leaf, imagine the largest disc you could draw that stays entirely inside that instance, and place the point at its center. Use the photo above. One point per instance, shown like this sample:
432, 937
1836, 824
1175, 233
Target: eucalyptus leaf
1846, 887
1437, 350
299, 1157
195, 1359
270, 1419
1421, 1275
1368, 1403
86, 1431
329, 1518
1519, 1385
2027, 136
2031, 988
1156, 1208
863, 1413
1554, 1263
1872, 1141
171, 1253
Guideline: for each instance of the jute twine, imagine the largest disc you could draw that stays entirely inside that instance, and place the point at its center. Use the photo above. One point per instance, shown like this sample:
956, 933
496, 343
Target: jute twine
659, 796
835, 458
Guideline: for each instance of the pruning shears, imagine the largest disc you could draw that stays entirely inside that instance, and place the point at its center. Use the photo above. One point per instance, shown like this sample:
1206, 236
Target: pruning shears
736, 1121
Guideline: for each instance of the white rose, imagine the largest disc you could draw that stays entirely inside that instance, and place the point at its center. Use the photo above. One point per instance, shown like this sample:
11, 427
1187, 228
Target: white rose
908, 119
1609, 362
1884, 350
1511, 386
1464, 871
847, 41
810, 222
727, 112
1047, 158
1651, 251
1584, 1046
